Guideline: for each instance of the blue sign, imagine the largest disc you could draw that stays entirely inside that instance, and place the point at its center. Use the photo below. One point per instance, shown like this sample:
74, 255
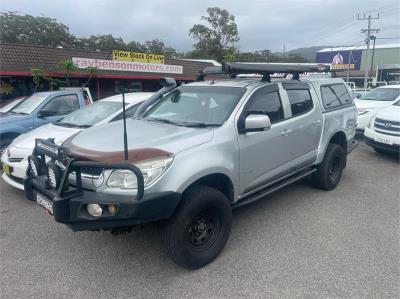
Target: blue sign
339, 60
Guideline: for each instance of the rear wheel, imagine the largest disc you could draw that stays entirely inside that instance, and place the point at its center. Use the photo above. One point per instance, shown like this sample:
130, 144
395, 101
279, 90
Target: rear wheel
329, 172
199, 229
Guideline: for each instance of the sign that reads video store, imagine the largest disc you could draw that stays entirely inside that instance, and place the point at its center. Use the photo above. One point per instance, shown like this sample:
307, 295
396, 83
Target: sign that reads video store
137, 57
126, 66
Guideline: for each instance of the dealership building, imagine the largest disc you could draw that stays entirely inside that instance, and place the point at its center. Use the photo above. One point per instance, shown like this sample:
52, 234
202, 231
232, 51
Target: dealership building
115, 69
352, 62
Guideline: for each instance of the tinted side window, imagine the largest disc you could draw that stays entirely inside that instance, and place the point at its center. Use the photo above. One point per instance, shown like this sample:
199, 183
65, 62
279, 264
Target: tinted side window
300, 101
268, 103
62, 105
342, 93
329, 97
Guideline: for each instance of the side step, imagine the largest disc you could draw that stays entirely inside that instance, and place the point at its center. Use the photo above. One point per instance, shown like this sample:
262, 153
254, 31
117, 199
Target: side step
275, 187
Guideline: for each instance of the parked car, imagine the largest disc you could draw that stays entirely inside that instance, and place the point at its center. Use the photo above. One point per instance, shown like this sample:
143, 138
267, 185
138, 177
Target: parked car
11, 105
195, 152
15, 159
375, 99
37, 110
383, 130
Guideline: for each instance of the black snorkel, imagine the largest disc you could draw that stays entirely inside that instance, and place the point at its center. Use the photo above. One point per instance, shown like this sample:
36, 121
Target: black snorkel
168, 85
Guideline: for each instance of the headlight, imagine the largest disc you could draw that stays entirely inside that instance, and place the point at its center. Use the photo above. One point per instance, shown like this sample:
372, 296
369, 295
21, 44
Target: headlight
151, 169
363, 111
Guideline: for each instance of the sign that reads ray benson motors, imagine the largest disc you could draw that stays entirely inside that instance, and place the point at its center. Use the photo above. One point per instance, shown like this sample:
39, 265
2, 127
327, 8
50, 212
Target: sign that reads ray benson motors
137, 57
126, 66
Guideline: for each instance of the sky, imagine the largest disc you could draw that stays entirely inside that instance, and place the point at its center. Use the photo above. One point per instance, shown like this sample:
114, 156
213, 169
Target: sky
268, 24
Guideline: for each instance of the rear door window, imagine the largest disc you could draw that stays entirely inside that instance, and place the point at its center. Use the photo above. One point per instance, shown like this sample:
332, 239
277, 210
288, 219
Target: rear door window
335, 95
300, 101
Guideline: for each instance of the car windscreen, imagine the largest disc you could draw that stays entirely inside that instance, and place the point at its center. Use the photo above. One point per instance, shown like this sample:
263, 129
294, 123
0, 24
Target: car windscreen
9, 106
90, 115
196, 106
29, 104
381, 94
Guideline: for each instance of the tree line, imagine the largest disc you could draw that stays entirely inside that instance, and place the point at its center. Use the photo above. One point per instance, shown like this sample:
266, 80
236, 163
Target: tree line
216, 38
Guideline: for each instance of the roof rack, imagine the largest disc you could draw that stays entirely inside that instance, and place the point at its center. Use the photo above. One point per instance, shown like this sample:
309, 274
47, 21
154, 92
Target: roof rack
232, 69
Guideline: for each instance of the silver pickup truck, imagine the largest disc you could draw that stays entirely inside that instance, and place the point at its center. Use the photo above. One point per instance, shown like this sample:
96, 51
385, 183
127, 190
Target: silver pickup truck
195, 152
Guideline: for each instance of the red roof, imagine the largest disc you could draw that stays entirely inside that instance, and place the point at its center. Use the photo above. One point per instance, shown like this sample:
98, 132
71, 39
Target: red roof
19, 59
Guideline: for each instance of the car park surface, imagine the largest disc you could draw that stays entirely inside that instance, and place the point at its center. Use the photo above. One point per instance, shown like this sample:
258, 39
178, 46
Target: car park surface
298, 242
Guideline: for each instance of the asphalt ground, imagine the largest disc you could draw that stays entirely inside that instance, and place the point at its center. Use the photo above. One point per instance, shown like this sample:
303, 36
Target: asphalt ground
299, 242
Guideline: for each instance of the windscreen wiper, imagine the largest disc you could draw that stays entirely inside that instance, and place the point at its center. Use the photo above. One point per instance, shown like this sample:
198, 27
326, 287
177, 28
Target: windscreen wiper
199, 125
71, 125
163, 120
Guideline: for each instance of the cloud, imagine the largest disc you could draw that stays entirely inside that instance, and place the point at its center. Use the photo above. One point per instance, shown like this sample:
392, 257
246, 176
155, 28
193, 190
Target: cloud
262, 24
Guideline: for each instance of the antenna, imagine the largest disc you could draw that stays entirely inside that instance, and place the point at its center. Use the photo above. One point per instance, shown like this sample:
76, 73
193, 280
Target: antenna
124, 119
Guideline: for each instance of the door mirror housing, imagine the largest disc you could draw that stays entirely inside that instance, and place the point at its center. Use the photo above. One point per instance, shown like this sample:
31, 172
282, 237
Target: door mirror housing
257, 123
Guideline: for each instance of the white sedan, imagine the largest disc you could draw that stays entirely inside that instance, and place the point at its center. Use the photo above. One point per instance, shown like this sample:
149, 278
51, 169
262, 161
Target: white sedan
370, 102
383, 131
15, 158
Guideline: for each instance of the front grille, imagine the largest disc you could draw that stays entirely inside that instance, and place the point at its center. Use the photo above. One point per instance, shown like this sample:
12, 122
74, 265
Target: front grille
15, 159
92, 171
387, 125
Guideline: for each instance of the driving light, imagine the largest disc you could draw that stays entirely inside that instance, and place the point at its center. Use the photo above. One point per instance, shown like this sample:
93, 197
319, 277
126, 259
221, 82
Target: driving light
34, 165
54, 174
151, 170
94, 209
112, 209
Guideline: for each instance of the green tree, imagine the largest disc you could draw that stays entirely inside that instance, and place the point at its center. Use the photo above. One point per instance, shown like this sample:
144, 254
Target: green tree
68, 67
218, 38
37, 77
16, 28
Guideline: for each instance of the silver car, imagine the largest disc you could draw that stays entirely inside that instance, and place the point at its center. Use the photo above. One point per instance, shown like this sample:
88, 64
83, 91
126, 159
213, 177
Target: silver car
197, 152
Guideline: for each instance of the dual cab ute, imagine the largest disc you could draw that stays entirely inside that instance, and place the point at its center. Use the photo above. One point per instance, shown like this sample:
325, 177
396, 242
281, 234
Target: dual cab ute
195, 152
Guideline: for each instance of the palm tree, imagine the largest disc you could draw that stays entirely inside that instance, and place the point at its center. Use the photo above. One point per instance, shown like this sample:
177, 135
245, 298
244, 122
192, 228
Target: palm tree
92, 72
68, 66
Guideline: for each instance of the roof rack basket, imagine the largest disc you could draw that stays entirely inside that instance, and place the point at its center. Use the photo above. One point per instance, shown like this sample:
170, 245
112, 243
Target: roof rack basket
232, 69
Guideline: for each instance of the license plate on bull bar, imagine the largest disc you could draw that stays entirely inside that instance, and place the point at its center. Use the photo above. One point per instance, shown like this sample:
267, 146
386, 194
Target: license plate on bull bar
45, 203
383, 140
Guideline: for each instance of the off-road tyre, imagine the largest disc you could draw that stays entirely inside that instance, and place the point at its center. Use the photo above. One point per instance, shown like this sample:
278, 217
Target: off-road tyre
199, 228
329, 172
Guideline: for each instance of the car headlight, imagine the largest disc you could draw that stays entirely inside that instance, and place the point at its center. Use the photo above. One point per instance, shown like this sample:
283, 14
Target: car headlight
151, 169
363, 111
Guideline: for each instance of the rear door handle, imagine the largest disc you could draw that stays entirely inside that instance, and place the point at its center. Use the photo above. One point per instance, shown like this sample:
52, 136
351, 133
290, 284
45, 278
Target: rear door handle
286, 132
316, 121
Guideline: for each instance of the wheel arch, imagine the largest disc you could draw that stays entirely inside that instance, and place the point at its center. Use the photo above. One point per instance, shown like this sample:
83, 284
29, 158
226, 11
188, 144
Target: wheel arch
219, 181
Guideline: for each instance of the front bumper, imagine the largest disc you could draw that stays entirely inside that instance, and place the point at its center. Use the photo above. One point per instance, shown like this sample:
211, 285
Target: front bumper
68, 203
71, 209
362, 121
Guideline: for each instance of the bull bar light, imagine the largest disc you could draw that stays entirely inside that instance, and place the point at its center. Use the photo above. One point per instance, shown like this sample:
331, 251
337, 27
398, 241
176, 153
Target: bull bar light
54, 175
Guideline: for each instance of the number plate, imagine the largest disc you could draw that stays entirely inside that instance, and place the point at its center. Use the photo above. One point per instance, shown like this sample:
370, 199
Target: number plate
44, 203
383, 140
6, 169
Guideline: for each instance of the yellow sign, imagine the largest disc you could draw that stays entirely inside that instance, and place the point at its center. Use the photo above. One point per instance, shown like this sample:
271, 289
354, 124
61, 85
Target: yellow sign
137, 57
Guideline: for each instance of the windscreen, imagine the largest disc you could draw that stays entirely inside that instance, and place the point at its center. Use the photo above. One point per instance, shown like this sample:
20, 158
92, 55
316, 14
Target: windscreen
91, 114
191, 106
381, 94
29, 104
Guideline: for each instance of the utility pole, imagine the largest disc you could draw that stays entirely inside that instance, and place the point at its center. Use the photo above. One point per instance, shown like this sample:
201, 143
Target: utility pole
369, 30
373, 54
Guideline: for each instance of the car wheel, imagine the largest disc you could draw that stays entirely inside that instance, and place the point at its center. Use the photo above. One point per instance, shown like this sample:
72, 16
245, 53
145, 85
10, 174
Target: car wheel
329, 172
199, 228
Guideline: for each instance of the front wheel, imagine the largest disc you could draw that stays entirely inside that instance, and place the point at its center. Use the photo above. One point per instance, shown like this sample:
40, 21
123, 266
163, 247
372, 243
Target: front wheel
199, 229
329, 172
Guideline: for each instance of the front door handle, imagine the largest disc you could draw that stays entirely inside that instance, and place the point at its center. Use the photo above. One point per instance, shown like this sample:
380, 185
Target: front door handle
286, 132
316, 121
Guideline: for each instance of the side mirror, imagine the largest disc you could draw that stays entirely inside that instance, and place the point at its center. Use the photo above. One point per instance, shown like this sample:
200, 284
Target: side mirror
167, 82
358, 96
256, 123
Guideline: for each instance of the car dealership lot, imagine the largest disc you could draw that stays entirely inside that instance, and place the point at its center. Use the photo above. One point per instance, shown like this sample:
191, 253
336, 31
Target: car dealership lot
300, 242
